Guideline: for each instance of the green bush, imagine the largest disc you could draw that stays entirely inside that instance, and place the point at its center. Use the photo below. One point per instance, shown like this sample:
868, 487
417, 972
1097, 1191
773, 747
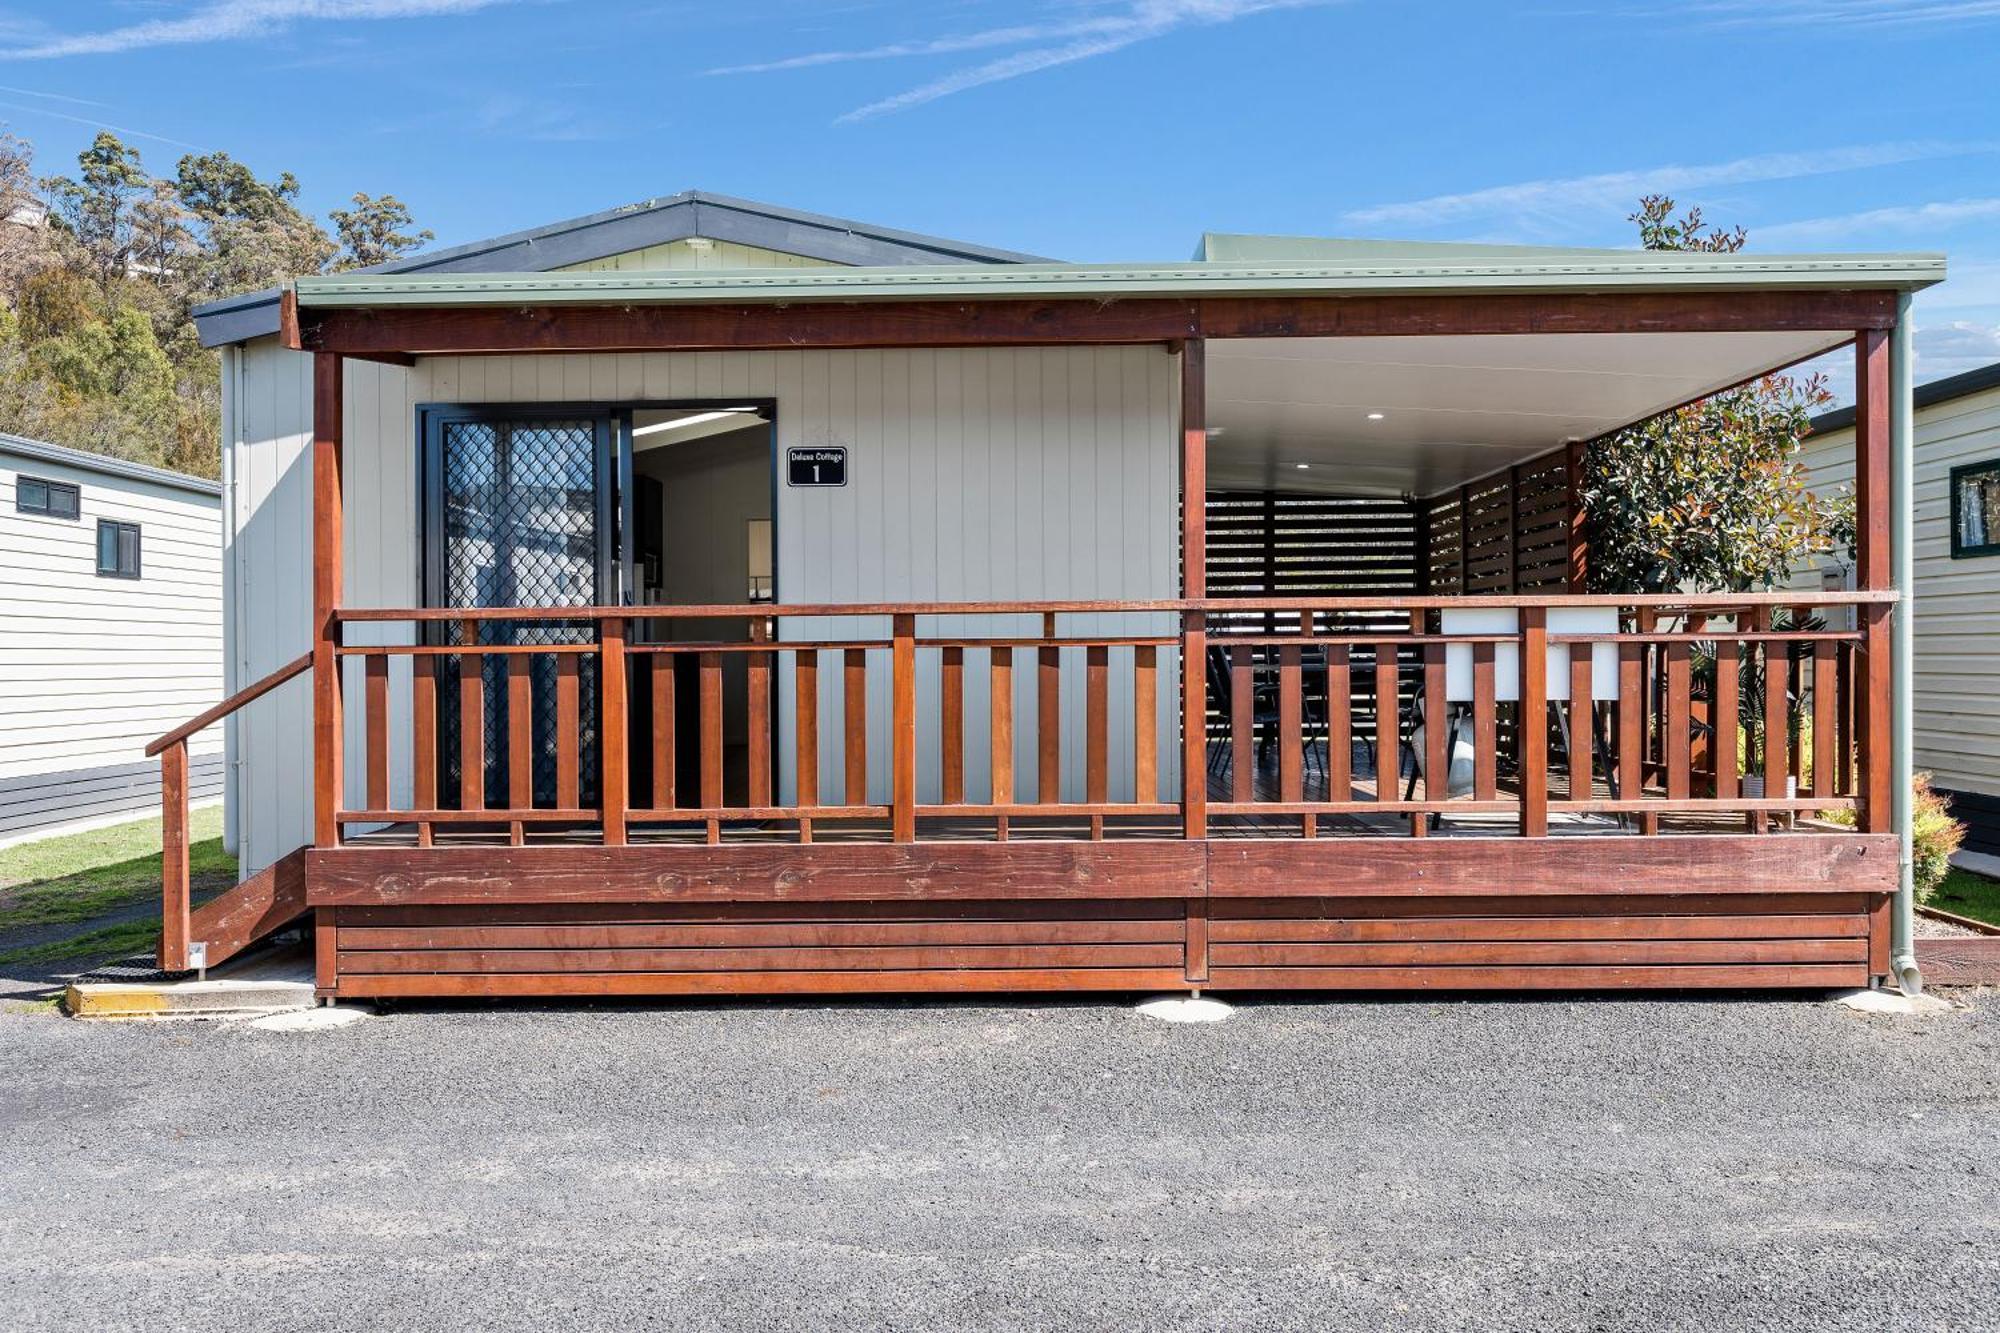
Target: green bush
1934, 835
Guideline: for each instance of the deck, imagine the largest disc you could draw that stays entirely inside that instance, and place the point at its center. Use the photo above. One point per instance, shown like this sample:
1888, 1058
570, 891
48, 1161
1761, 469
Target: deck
610, 827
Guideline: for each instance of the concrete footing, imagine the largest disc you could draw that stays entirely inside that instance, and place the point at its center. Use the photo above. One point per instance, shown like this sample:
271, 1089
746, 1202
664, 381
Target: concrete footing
1892, 1002
1185, 1009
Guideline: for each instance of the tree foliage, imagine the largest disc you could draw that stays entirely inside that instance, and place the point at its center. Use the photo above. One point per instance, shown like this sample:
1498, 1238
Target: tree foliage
99, 274
1710, 497
374, 232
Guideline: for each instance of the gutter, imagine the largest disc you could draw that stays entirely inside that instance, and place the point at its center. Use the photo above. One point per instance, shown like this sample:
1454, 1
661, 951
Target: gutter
1637, 273
1902, 474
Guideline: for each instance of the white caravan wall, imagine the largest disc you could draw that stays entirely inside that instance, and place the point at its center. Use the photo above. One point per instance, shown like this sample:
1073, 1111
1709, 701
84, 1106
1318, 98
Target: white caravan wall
973, 474
93, 668
1957, 603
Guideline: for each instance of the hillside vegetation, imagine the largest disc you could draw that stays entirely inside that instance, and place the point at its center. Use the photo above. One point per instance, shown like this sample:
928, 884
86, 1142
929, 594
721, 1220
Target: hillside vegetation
100, 269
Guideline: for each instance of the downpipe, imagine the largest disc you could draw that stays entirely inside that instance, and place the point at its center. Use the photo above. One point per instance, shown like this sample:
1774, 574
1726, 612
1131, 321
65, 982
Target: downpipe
1902, 470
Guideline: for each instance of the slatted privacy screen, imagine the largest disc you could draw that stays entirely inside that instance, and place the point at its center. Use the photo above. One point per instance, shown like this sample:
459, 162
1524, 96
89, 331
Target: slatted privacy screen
1541, 524
1444, 544
1265, 544
1506, 533
1262, 544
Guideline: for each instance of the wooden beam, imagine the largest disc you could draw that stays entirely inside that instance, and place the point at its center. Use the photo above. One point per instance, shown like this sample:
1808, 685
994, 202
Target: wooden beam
175, 912
1871, 460
1194, 470
1873, 498
812, 872
1732, 863
328, 380
614, 798
903, 730
1194, 584
1579, 530
420, 330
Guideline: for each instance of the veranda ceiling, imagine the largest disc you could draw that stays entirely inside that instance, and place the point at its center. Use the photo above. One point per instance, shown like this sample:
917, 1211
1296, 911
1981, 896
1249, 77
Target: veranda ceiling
1415, 415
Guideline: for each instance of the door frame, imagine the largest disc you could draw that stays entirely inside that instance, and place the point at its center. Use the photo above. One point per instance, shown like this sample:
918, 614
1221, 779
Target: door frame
615, 513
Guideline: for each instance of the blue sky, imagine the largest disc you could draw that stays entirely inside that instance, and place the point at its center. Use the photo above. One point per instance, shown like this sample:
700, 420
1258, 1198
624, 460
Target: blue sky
1083, 129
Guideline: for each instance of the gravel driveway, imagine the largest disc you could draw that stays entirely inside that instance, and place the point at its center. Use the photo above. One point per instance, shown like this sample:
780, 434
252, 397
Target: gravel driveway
1610, 1164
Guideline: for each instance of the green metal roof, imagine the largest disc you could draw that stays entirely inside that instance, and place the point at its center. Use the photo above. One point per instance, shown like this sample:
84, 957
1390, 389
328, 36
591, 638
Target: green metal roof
1237, 266
1235, 248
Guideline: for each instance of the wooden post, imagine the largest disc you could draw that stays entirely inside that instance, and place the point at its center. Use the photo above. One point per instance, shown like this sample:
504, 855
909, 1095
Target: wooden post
1194, 586
903, 729
1579, 532
614, 797
328, 375
1534, 722
1873, 573
174, 908
1464, 533
326, 953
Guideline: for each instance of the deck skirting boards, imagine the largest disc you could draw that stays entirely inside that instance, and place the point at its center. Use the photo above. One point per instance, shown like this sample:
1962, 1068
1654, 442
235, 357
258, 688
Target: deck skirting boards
1796, 910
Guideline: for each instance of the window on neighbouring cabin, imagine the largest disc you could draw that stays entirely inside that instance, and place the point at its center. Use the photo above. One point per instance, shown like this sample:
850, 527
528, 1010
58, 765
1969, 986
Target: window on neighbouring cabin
1975, 509
57, 499
117, 549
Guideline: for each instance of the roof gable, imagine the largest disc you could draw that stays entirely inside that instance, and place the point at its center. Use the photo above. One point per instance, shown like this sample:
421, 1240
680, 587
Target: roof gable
633, 229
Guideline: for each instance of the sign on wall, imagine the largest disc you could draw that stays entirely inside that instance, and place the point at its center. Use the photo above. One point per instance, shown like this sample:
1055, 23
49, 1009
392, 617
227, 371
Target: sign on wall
816, 467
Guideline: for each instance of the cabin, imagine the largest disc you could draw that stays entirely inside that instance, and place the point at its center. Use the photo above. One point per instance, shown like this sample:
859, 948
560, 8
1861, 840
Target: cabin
1956, 593
705, 597
111, 602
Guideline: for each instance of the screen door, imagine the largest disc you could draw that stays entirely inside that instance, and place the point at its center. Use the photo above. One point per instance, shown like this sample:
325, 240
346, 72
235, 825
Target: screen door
518, 513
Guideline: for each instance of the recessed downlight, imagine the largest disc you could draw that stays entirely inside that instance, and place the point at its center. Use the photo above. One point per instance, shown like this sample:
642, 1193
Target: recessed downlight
1375, 416
1303, 467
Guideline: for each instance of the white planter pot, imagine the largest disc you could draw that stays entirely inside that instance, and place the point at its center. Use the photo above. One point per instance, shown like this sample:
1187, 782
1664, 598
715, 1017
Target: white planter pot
1753, 787
1459, 781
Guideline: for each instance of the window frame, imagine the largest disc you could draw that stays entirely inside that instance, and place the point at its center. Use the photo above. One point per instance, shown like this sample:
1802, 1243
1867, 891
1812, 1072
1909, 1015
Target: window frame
1960, 551
50, 489
118, 571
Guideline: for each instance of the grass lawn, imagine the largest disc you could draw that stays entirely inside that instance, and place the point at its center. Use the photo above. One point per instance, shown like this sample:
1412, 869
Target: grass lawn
1970, 895
82, 877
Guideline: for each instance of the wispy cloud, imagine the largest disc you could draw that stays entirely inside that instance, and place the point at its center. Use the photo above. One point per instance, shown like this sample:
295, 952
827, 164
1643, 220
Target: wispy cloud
1960, 344
1565, 196
1058, 41
224, 20
96, 123
1875, 14
1932, 217
53, 97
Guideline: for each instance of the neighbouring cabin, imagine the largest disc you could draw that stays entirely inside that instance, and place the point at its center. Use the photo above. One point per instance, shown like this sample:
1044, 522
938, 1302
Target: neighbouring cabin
110, 632
918, 617
1956, 599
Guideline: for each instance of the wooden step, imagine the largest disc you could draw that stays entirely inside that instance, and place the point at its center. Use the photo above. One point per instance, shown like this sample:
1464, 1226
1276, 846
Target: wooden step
266, 902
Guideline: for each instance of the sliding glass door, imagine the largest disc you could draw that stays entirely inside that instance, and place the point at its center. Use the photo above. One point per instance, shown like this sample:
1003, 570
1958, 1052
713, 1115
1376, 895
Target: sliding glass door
518, 512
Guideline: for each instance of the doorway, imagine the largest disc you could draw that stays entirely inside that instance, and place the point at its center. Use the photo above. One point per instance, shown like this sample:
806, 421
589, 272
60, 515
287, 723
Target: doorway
702, 533
654, 504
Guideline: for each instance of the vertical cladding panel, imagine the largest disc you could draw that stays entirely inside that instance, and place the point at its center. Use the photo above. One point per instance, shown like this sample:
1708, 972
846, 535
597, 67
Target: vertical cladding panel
271, 583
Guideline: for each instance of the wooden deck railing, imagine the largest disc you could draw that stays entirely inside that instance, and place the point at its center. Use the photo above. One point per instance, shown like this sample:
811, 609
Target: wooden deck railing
176, 909
1338, 721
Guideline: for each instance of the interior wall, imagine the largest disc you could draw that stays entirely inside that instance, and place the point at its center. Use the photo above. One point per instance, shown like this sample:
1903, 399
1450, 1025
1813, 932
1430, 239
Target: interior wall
711, 489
